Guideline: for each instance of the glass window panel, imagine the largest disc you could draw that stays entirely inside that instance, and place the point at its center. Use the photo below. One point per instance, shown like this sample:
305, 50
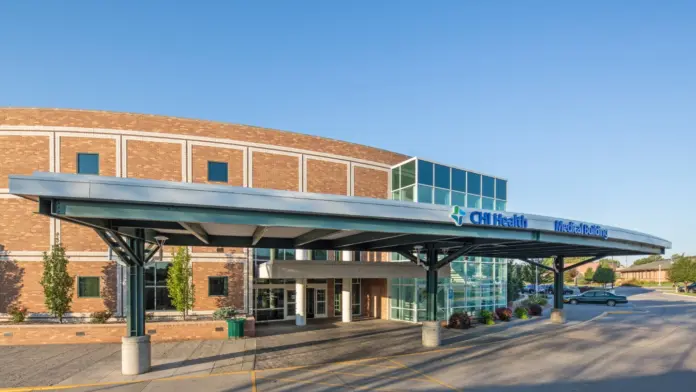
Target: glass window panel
395, 178
320, 255
488, 186
408, 173
277, 298
500, 205
500, 189
473, 201
458, 199
407, 194
442, 196
217, 286
149, 274
425, 194
458, 180
88, 286
161, 270
262, 254
88, 163
473, 183
396, 195
442, 176
425, 172
321, 307
217, 171
149, 298
163, 302
488, 204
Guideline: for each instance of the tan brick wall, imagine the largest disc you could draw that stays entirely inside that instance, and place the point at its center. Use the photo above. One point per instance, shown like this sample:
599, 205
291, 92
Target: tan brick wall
29, 334
235, 290
106, 271
23, 155
21, 229
31, 293
374, 298
200, 155
173, 125
327, 177
275, 171
370, 183
75, 237
154, 160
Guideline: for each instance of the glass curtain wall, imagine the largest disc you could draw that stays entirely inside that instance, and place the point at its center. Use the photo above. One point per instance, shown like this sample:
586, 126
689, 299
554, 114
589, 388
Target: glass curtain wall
475, 283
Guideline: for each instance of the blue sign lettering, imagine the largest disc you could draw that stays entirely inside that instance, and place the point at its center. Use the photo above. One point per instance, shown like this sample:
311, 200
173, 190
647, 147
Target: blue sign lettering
488, 218
581, 229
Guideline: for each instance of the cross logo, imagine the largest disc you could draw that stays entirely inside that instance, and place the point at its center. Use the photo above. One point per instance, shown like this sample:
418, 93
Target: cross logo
457, 215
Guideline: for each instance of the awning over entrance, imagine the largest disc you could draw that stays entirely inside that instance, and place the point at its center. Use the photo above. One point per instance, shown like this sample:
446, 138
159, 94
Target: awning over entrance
342, 269
224, 216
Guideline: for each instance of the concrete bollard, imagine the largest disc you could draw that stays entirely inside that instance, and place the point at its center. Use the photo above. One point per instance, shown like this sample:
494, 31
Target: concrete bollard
558, 316
431, 333
135, 355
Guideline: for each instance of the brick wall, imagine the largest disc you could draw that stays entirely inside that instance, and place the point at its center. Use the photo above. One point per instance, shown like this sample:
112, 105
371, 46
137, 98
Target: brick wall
154, 160
35, 334
375, 302
370, 183
21, 229
327, 177
235, 274
22, 155
275, 171
75, 237
106, 271
30, 291
182, 126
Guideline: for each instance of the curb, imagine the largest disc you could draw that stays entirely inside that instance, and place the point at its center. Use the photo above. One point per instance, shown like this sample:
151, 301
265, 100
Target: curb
689, 297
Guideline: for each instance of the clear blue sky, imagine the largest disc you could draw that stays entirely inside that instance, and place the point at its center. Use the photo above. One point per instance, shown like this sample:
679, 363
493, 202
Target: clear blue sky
587, 107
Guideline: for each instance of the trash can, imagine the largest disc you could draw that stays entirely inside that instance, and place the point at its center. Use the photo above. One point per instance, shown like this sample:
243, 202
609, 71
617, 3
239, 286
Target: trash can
235, 328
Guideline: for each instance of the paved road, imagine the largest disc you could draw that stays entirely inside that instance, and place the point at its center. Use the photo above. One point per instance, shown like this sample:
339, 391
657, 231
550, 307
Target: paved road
639, 352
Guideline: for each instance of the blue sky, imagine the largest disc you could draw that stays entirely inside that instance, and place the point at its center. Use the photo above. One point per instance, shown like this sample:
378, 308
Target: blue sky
587, 107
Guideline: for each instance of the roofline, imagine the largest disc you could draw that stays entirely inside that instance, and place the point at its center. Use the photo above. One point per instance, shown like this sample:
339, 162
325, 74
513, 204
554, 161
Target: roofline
448, 165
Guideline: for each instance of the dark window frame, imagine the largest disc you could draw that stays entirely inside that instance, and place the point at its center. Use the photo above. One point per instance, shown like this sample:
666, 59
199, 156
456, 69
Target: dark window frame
226, 286
86, 154
79, 295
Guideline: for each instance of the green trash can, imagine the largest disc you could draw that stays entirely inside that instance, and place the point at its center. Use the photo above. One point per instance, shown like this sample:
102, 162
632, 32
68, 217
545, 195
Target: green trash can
235, 328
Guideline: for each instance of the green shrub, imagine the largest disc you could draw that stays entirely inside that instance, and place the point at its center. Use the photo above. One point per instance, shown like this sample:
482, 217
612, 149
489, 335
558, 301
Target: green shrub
225, 313
535, 310
538, 299
504, 314
521, 313
459, 320
18, 313
486, 317
100, 317
633, 283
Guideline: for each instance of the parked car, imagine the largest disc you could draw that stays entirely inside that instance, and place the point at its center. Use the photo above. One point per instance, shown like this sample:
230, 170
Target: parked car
596, 297
688, 289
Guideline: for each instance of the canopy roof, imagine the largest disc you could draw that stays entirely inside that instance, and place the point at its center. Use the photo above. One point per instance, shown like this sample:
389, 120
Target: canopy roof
225, 216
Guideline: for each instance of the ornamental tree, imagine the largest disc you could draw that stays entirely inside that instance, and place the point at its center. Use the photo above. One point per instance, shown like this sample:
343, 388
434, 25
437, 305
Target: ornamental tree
604, 275
57, 283
683, 270
180, 281
589, 274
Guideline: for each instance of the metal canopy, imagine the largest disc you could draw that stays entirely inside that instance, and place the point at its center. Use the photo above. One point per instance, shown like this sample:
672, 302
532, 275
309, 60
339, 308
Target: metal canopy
224, 216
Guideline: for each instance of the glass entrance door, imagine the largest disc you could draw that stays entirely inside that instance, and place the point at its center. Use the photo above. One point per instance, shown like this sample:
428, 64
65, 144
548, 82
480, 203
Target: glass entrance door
311, 303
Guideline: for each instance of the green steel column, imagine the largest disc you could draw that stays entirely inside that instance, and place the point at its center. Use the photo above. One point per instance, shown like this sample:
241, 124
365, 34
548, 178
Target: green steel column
558, 283
136, 287
431, 285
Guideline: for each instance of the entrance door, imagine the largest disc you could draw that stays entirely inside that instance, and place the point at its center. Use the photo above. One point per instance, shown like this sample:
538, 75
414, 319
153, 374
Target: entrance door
311, 303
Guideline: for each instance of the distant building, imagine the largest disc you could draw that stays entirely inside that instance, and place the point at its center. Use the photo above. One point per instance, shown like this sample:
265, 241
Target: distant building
650, 272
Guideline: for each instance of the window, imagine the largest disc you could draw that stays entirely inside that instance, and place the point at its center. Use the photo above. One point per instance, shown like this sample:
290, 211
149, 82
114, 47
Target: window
292, 302
473, 183
442, 196
88, 287
458, 199
408, 174
473, 201
396, 178
284, 254
425, 194
156, 291
500, 205
458, 180
217, 286
217, 171
407, 194
355, 306
500, 189
338, 292
320, 254
87, 163
488, 186
442, 176
425, 173
488, 204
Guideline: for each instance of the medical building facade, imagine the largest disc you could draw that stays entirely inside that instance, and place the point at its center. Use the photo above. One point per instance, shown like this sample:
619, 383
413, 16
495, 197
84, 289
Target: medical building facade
184, 150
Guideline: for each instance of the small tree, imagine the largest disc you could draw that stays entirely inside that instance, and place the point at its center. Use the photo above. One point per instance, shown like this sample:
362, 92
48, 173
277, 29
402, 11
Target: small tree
179, 281
604, 275
57, 283
569, 276
683, 270
589, 274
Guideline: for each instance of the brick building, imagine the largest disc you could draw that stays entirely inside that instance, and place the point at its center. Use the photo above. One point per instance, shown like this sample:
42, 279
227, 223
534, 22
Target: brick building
175, 149
657, 271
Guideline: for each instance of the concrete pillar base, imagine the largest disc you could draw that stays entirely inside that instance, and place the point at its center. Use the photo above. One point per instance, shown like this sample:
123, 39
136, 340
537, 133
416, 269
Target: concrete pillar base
431, 333
558, 316
135, 355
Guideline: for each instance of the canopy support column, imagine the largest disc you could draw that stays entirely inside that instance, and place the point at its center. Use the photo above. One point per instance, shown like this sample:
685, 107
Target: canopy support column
431, 327
557, 314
